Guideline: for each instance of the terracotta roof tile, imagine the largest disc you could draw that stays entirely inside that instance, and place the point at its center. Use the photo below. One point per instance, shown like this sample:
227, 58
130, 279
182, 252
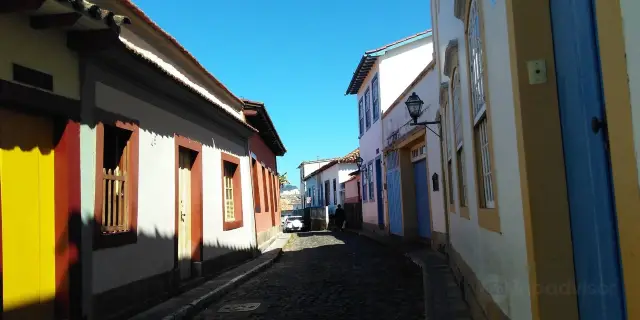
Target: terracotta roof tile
351, 157
175, 42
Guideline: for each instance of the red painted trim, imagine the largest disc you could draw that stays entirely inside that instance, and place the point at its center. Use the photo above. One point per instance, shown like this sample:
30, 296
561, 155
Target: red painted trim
196, 197
115, 240
67, 209
237, 192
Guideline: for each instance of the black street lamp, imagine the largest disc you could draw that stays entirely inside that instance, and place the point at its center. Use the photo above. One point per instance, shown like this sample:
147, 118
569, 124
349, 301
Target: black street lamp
359, 162
414, 106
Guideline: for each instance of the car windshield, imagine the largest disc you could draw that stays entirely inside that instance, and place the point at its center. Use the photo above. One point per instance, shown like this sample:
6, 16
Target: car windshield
294, 217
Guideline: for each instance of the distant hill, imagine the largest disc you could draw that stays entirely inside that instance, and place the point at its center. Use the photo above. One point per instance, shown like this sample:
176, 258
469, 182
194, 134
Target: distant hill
289, 197
288, 188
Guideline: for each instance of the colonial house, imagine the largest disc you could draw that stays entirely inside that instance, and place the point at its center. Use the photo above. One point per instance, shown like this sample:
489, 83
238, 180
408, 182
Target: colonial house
310, 190
123, 163
412, 163
264, 147
331, 178
540, 103
380, 77
40, 146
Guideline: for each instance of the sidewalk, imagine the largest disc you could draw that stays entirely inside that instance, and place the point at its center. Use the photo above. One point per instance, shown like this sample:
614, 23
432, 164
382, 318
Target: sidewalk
191, 302
443, 296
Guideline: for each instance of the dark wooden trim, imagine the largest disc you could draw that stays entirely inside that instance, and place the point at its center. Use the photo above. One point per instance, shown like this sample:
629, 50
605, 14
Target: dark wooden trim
94, 40
7, 6
196, 197
115, 240
24, 98
256, 185
237, 192
61, 20
67, 212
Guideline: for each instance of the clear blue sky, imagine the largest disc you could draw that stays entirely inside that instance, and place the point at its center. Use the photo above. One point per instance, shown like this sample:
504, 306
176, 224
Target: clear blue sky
296, 56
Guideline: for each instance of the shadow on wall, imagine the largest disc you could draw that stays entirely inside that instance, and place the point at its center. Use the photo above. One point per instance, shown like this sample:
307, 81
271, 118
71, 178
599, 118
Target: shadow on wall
63, 268
125, 301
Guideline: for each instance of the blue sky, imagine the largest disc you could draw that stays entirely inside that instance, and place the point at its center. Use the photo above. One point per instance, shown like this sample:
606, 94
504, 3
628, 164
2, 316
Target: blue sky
296, 56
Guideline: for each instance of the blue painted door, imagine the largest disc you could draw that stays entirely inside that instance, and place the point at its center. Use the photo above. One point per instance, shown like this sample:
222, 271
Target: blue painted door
422, 198
394, 194
593, 223
379, 193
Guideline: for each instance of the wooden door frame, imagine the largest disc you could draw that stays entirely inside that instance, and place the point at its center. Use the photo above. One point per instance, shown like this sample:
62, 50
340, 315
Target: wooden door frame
196, 199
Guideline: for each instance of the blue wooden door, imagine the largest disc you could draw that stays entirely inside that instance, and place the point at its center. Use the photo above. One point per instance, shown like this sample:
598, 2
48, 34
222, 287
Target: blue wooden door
394, 193
379, 193
593, 223
422, 198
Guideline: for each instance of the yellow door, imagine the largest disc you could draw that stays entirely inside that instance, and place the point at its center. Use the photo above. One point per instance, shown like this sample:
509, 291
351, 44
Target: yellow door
27, 200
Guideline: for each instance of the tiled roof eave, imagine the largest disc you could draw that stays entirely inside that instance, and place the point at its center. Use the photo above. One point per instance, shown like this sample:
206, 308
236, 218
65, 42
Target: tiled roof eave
140, 54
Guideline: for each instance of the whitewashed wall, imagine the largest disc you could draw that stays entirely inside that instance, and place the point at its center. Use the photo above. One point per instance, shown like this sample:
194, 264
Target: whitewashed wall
496, 259
154, 251
400, 66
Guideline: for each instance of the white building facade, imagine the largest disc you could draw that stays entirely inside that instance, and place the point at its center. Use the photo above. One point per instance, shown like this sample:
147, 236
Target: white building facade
381, 76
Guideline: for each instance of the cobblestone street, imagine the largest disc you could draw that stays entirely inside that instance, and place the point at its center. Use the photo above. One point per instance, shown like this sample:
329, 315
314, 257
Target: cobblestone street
327, 275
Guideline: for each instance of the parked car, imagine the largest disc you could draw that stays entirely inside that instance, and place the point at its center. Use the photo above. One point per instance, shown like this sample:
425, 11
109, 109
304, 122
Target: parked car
293, 223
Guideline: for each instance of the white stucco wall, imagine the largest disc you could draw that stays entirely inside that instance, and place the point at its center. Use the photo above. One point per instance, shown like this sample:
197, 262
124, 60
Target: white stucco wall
629, 10
153, 253
397, 118
400, 66
496, 259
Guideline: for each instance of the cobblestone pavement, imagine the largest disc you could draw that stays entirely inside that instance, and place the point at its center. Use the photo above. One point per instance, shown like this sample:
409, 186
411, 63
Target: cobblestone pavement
326, 275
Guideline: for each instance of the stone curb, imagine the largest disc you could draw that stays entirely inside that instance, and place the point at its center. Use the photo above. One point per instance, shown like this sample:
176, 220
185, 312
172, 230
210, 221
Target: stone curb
202, 302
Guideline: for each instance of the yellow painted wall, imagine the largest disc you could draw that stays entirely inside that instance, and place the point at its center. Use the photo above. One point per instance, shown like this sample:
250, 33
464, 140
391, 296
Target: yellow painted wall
42, 50
28, 213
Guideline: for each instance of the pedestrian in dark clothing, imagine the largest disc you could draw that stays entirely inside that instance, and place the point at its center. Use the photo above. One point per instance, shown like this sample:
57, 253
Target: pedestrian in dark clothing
340, 217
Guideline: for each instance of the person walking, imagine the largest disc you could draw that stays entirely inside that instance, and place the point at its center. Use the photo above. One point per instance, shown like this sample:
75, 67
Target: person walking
340, 218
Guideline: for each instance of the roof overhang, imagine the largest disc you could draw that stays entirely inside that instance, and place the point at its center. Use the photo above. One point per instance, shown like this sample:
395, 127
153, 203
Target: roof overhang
369, 59
258, 117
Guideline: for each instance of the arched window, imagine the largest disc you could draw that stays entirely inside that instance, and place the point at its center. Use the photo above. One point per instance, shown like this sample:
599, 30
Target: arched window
479, 108
459, 142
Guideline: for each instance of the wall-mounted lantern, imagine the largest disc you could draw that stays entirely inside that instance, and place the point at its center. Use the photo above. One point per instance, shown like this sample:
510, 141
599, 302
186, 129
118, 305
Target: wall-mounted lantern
435, 182
414, 106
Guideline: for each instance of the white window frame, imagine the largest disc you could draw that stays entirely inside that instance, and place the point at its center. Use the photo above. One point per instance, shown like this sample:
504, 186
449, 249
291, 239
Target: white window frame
375, 97
479, 105
459, 138
418, 152
372, 195
361, 115
367, 108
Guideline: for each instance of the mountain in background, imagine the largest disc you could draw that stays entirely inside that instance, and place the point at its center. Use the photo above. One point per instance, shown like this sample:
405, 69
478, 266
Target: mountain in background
290, 197
289, 189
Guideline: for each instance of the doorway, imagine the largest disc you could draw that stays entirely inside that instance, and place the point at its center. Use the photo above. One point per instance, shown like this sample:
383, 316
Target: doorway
27, 207
588, 173
184, 220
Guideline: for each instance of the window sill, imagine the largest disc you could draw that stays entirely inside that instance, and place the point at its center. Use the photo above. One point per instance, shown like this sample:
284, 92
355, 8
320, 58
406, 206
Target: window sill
489, 219
227, 226
104, 241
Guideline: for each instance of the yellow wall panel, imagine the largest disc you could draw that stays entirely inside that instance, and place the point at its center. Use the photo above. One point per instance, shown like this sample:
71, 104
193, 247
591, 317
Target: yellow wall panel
28, 213
42, 50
